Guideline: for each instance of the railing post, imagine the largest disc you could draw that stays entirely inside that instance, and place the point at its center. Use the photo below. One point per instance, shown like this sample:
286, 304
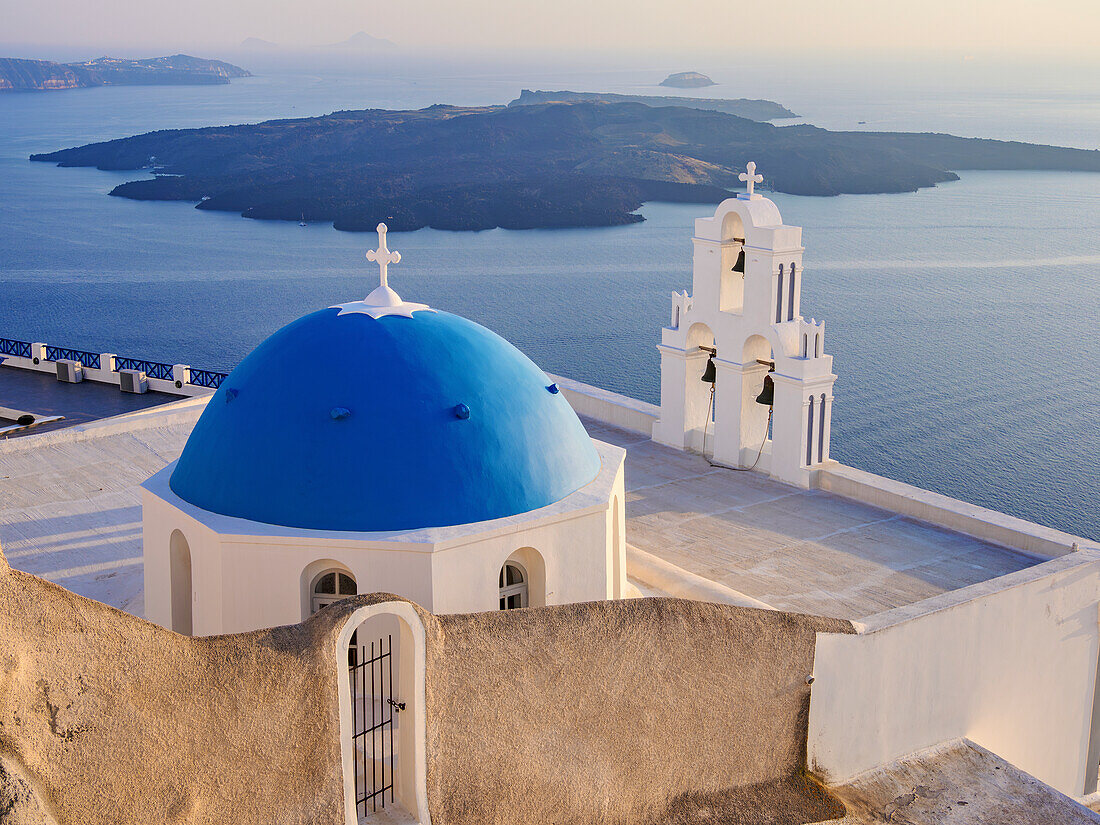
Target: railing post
181, 374
38, 353
107, 361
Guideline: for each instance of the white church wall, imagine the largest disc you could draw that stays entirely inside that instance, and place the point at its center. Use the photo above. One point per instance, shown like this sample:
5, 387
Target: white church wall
574, 555
1010, 663
156, 532
265, 579
207, 585
159, 522
573, 551
616, 539
248, 575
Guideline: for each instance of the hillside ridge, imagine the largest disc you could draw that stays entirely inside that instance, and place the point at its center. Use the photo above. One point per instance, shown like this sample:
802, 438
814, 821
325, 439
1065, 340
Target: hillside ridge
18, 74
529, 166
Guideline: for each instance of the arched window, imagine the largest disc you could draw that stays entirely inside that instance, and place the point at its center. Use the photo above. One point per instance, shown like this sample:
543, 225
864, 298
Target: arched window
779, 297
817, 345
179, 560
513, 586
821, 432
330, 587
790, 302
810, 435
805, 346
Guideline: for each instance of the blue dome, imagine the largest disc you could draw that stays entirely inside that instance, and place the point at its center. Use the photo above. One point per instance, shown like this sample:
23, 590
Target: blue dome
347, 422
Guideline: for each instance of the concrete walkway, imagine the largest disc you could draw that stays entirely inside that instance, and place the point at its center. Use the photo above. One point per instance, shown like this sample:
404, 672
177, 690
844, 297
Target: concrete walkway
807, 551
70, 501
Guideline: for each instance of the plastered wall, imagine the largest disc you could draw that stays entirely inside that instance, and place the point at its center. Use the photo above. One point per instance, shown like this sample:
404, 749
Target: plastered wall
112, 720
604, 712
612, 712
1010, 664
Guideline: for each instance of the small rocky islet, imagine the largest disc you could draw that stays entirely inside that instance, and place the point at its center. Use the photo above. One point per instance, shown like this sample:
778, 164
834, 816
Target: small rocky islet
687, 80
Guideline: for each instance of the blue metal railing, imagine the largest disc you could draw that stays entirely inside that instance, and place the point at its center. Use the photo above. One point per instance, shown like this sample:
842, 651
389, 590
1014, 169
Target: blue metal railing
20, 349
207, 378
88, 359
153, 369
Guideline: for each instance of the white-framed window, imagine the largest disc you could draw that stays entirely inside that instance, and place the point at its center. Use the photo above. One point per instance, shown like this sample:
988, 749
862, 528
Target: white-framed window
329, 587
513, 586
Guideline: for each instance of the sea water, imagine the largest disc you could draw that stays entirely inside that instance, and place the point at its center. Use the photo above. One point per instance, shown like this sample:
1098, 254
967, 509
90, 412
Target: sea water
962, 319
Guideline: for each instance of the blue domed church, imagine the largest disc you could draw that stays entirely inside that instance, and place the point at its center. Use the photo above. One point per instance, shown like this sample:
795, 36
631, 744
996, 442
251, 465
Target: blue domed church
382, 446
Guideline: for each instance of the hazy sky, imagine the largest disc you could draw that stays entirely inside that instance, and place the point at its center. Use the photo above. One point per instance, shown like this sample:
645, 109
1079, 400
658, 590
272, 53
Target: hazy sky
1068, 28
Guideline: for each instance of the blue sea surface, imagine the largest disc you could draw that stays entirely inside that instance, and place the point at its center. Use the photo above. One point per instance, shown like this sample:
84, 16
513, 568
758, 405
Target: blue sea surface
962, 318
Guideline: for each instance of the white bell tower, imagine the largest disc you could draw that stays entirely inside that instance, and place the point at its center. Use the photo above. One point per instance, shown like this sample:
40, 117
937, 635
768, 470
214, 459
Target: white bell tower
744, 313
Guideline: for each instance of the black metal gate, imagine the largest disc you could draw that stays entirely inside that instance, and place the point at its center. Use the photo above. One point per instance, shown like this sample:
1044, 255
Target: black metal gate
373, 708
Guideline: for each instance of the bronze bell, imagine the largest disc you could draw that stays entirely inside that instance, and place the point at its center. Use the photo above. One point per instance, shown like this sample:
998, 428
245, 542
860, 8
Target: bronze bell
767, 394
709, 374
740, 265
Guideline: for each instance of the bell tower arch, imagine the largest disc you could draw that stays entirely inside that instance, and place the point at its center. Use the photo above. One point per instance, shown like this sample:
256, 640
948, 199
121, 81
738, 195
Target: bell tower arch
746, 295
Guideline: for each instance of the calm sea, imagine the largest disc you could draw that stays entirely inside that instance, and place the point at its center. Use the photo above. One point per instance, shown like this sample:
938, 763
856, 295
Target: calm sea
963, 319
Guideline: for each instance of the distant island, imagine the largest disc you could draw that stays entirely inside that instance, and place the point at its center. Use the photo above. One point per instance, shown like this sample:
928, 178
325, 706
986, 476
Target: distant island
358, 42
518, 167
258, 43
742, 107
361, 41
180, 69
687, 80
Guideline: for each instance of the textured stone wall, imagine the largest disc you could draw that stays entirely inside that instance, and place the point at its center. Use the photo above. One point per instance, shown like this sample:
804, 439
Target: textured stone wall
622, 712
106, 719
643, 711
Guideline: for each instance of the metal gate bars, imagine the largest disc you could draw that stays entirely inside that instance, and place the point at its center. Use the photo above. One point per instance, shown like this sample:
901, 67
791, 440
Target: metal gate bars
373, 708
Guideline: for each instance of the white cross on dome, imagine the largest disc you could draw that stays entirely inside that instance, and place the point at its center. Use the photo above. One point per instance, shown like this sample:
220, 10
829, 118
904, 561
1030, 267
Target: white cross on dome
383, 300
382, 256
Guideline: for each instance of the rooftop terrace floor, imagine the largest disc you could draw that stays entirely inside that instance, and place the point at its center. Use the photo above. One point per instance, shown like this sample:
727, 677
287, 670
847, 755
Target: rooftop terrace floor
956, 783
40, 393
70, 511
801, 550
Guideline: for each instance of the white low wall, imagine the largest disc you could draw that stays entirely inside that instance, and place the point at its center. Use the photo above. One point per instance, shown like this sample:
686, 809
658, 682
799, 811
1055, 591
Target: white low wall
1010, 663
609, 407
676, 582
982, 523
185, 410
107, 375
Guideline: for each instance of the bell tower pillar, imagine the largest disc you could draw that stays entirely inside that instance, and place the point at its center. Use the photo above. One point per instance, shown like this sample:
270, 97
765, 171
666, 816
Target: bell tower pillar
684, 420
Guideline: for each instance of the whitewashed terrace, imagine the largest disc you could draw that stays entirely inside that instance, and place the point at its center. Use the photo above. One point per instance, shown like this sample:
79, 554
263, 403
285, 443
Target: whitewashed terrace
70, 511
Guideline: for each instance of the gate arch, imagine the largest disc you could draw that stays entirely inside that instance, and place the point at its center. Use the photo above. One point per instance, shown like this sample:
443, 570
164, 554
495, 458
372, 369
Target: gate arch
409, 775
